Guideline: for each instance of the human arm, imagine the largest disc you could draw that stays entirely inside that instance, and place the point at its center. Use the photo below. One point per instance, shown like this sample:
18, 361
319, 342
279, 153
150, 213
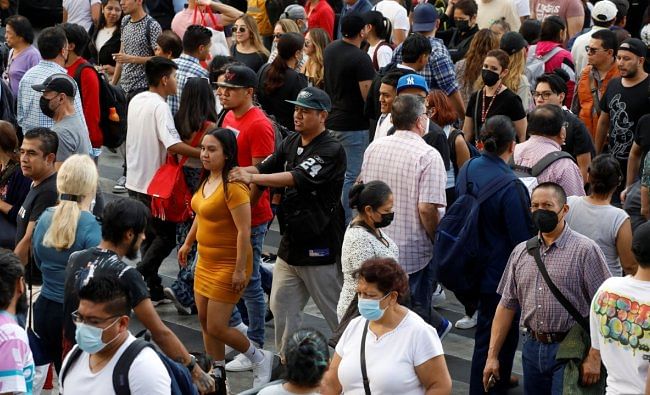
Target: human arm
501, 324
121, 57
90, 104
590, 368
95, 11
624, 247
399, 35
520, 127
462, 151
5, 207
169, 343
584, 160
429, 218
118, 68
256, 191
228, 13
364, 88
241, 216
468, 129
633, 164
187, 244
330, 385
274, 180
434, 376
602, 130
456, 101
22, 248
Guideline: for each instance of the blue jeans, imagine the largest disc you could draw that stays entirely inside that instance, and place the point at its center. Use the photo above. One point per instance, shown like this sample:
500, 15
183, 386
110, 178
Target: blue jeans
542, 373
355, 143
253, 296
421, 285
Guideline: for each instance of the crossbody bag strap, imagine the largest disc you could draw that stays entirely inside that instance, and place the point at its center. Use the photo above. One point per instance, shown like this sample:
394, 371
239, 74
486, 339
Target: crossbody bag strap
532, 246
364, 372
593, 86
194, 143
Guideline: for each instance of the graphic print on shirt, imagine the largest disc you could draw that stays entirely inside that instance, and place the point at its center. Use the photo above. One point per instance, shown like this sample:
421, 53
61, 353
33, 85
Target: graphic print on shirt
621, 135
545, 10
623, 321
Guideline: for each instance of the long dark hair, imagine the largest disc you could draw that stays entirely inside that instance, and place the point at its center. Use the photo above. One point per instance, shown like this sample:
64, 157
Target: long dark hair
289, 44
102, 19
228, 141
197, 106
381, 24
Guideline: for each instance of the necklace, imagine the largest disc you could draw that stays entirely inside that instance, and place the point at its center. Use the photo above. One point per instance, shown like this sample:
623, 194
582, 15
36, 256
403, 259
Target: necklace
485, 111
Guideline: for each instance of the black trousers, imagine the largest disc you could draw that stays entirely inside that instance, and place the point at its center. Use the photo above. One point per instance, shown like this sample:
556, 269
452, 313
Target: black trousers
48, 324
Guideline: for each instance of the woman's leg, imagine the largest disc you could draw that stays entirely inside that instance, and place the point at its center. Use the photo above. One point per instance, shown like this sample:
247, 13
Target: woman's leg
218, 316
213, 347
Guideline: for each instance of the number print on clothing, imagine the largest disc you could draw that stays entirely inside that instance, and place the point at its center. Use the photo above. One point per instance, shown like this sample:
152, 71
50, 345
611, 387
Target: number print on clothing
312, 165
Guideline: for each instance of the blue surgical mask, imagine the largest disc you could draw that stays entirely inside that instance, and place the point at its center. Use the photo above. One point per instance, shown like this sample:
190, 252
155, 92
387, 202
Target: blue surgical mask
370, 309
89, 338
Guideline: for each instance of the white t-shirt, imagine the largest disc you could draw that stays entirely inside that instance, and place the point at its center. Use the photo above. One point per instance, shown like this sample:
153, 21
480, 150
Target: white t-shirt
151, 131
79, 12
384, 54
395, 13
618, 320
522, 7
103, 36
148, 375
412, 343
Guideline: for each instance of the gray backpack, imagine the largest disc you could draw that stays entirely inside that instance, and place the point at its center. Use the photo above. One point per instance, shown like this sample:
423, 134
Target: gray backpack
535, 64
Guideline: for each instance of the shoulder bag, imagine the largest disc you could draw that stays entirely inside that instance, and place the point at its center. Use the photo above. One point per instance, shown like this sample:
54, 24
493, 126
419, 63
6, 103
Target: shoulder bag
362, 353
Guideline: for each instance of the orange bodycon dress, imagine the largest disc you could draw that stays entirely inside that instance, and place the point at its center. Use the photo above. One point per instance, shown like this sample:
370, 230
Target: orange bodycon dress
217, 242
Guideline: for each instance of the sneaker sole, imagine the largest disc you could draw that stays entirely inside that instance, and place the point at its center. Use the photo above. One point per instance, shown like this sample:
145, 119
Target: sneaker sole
182, 310
238, 367
160, 302
465, 326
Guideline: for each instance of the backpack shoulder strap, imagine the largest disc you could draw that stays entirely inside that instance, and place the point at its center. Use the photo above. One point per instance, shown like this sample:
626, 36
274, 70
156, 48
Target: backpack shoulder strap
121, 370
531, 53
495, 186
548, 160
75, 353
77, 75
550, 54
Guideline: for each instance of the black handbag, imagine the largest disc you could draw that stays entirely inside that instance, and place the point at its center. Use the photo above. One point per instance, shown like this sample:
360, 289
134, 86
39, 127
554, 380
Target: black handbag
351, 313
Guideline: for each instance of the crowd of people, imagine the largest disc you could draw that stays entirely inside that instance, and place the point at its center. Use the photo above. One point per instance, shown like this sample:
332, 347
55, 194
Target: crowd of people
373, 133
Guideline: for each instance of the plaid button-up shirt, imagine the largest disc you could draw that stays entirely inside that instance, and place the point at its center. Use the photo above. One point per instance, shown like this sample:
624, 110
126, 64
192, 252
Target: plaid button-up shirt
29, 114
416, 174
563, 171
188, 67
439, 71
576, 266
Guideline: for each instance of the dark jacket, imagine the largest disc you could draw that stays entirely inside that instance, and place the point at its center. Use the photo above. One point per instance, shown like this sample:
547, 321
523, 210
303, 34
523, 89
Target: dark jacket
105, 55
458, 43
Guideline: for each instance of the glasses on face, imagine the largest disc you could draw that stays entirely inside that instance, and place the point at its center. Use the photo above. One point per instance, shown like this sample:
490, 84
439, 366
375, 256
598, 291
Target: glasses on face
592, 50
278, 35
544, 95
239, 29
79, 319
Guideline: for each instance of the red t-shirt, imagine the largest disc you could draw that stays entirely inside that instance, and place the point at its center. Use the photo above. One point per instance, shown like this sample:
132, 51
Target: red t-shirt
321, 16
89, 91
255, 139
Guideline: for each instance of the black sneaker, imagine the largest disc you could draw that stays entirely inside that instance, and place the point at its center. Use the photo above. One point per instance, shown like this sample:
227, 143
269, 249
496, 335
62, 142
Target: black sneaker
220, 383
158, 297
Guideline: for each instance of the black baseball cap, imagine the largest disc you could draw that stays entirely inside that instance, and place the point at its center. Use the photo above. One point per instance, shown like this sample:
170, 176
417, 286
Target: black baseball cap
352, 24
60, 83
635, 46
641, 243
313, 98
512, 42
239, 76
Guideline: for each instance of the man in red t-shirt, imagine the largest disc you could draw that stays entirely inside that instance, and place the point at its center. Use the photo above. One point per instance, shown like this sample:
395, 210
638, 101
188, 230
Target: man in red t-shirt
88, 82
320, 14
255, 141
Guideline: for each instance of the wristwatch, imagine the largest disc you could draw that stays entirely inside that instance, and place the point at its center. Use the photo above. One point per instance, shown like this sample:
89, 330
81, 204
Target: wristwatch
190, 366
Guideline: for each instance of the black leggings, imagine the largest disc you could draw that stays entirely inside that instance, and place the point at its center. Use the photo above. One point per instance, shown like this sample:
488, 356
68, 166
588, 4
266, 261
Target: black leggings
48, 324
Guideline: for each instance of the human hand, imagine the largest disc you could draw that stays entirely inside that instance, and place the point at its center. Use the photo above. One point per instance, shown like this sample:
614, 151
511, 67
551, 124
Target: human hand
239, 174
204, 383
590, 369
645, 211
121, 57
182, 255
238, 280
490, 373
623, 195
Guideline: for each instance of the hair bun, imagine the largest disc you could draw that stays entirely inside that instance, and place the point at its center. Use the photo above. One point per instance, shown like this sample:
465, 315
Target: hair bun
354, 194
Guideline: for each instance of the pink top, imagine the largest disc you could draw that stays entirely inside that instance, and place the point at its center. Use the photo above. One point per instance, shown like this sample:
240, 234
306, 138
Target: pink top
185, 18
563, 171
16, 362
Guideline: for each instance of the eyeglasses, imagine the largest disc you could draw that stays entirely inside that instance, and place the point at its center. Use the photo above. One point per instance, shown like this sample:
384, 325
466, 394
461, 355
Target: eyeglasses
239, 29
79, 319
591, 50
278, 35
544, 95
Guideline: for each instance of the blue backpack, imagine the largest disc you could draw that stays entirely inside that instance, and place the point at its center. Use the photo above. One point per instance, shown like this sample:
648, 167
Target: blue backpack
181, 379
456, 246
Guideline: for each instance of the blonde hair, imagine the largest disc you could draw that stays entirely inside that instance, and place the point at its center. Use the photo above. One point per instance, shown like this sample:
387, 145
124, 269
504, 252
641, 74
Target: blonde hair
314, 68
254, 34
483, 42
288, 26
77, 176
516, 69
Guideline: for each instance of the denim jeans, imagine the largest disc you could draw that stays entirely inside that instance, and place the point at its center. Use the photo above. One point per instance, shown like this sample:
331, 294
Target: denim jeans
421, 285
542, 373
253, 297
355, 143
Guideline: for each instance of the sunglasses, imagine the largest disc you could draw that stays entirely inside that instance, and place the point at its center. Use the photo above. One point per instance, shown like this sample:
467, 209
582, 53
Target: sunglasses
591, 50
278, 35
239, 29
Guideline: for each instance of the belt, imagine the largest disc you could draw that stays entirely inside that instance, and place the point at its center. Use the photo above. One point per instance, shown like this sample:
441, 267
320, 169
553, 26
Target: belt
547, 337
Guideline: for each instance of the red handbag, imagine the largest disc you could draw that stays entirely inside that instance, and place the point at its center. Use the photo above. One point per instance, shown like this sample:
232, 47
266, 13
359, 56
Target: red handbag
170, 195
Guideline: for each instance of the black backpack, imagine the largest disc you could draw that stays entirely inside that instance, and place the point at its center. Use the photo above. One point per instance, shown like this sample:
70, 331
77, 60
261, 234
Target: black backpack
110, 97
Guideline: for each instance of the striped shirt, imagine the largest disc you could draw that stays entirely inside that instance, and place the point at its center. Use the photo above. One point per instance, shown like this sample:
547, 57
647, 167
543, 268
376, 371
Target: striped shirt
439, 71
188, 67
564, 172
576, 266
416, 174
29, 112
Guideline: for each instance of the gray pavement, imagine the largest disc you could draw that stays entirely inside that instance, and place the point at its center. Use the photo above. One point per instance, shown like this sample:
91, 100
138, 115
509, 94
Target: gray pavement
458, 344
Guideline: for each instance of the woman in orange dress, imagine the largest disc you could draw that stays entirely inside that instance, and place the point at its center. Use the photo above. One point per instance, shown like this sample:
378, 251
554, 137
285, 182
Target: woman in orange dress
222, 229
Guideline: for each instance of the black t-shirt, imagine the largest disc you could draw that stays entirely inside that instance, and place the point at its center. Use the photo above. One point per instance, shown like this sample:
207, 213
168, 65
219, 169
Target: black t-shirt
625, 107
505, 103
346, 66
275, 104
39, 198
578, 141
96, 262
318, 171
253, 60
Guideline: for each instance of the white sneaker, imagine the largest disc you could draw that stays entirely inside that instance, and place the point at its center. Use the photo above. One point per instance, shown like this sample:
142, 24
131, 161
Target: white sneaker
230, 352
262, 370
240, 364
438, 297
466, 322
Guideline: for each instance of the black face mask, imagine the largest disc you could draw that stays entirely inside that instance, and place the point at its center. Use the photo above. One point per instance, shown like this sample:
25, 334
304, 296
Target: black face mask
462, 26
490, 77
386, 219
45, 107
545, 220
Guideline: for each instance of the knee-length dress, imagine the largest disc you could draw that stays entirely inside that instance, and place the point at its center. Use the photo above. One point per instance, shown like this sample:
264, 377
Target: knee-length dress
217, 242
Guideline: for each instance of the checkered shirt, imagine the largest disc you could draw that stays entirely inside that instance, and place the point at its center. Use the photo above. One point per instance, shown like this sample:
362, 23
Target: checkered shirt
564, 172
29, 111
439, 72
576, 266
188, 67
416, 174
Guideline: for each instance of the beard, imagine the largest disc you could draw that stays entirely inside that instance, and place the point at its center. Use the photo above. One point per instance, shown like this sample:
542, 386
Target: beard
132, 251
21, 305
